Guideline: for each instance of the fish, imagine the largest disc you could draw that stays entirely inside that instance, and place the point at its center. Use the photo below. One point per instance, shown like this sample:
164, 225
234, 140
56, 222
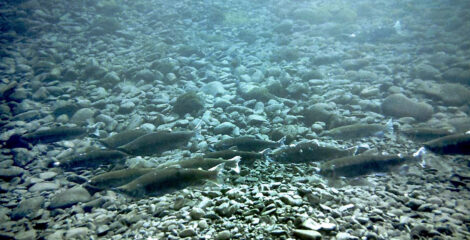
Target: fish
362, 164
204, 163
359, 130
248, 143
246, 157
426, 133
122, 138
161, 181
50, 135
92, 158
156, 143
450, 145
308, 151
117, 178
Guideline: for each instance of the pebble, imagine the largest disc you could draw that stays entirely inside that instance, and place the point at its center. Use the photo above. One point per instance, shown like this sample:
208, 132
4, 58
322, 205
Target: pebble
82, 115
44, 186
69, 198
196, 213
307, 234
188, 232
223, 235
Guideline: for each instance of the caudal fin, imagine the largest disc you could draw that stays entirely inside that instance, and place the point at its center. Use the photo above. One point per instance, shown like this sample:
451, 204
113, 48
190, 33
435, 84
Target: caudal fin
233, 163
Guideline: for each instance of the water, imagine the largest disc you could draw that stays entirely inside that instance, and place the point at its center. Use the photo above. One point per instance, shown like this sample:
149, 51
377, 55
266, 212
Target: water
74, 73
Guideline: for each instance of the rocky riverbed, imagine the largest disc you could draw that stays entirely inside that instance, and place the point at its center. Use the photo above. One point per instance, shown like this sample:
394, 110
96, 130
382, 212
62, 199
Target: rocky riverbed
368, 76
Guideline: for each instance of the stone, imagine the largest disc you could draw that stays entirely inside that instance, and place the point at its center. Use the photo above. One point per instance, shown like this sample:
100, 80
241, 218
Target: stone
188, 232
27, 208
47, 175
22, 156
224, 235
255, 119
82, 115
213, 88
44, 186
196, 213
426, 72
225, 128
11, 172
398, 105
126, 107
345, 236
307, 234
69, 198
144, 74
26, 235
77, 233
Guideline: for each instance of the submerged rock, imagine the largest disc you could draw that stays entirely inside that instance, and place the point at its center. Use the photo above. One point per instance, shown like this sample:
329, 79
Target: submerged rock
188, 103
398, 105
69, 198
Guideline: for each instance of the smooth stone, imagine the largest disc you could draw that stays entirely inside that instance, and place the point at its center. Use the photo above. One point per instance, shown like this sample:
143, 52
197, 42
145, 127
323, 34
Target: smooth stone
11, 172
307, 234
22, 156
82, 115
77, 233
213, 88
398, 105
47, 175
26, 235
69, 197
345, 236
188, 232
27, 207
224, 128
224, 235
44, 186
255, 119
196, 213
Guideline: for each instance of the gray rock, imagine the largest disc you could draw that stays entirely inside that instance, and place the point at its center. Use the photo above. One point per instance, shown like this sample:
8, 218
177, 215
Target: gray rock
145, 74
27, 208
82, 115
111, 78
110, 123
44, 186
414, 203
69, 197
47, 175
224, 235
398, 105
26, 235
213, 88
22, 156
255, 119
196, 213
126, 107
188, 232
225, 128
345, 236
11, 172
426, 72
307, 234
222, 103
77, 233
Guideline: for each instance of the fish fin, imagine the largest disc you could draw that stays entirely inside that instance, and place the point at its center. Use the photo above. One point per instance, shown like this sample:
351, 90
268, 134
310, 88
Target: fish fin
197, 130
234, 163
282, 141
420, 155
389, 126
219, 177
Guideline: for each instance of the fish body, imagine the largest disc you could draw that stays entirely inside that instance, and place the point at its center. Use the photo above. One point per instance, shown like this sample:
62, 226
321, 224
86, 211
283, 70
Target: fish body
452, 144
161, 181
122, 138
308, 151
54, 134
426, 134
117, 178
93, 158
247, 143
204, 163
359, 130
353, 166
156, 143
246, 157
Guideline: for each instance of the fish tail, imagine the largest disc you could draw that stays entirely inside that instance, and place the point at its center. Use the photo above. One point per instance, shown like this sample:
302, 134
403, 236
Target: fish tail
197, 130
266, 153
233, 164
282, 141
389, 127
218, 173
420, 155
